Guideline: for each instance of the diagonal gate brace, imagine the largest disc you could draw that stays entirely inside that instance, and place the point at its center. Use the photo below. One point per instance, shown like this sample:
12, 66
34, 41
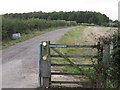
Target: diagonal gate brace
67, 59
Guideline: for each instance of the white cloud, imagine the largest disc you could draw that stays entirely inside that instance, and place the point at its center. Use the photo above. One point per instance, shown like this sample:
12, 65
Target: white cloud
108, 7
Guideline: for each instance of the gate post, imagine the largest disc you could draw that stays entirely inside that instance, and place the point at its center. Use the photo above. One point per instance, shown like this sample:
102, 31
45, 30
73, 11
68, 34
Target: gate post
106, 52
99, 62
103, 61
45, 65
105, 41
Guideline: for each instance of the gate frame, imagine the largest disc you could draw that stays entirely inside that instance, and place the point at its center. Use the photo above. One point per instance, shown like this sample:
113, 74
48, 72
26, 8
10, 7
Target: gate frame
45, 62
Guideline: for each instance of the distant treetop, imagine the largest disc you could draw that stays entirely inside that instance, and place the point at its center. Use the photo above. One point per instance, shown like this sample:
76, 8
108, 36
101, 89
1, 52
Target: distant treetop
78, 16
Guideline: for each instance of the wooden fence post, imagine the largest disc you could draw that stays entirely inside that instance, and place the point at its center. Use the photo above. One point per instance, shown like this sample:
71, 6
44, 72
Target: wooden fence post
107, 48
106, 54
45, 67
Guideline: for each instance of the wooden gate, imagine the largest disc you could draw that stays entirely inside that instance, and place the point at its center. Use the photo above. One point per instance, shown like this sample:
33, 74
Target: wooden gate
45, 61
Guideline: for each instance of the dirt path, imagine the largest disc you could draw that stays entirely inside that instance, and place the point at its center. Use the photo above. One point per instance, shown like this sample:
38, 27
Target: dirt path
19, 62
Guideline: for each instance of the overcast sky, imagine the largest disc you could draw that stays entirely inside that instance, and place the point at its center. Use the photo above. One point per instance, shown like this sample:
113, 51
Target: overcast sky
108, 7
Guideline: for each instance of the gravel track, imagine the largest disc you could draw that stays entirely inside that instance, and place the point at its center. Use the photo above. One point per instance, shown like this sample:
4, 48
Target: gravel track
19, 62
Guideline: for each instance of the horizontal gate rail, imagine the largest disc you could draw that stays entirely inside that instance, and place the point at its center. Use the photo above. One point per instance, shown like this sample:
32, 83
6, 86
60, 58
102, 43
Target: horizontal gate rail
63, 73
90, 65
74, 56
66, 59
67, 82
72, 46
45, 64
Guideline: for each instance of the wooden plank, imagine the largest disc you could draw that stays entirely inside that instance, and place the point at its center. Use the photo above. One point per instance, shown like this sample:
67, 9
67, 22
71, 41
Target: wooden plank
71, 46
90, 65
74, 56
63, 73
67, 82
82, 46
57, 46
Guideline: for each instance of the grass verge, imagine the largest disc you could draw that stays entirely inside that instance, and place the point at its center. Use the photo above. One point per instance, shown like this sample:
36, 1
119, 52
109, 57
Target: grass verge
73, 37
25, 36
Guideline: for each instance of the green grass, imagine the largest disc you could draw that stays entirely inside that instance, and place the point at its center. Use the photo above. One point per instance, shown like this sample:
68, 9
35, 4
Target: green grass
24, 36
73, 37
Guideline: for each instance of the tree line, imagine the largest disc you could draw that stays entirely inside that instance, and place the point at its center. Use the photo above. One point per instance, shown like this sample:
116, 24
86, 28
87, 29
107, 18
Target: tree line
78, 16
26, 22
